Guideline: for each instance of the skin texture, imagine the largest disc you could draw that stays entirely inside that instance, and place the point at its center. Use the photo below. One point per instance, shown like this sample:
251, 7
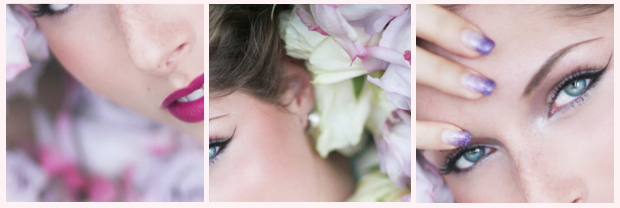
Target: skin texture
270, 157
134, 55
565, 157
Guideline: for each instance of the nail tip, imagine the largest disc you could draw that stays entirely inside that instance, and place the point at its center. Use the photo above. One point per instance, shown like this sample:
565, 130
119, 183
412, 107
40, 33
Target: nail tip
486, 46
490, 87
465, 139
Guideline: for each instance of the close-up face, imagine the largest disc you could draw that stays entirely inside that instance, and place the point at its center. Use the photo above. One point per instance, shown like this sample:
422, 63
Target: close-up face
148, 58
259, 152
546, 133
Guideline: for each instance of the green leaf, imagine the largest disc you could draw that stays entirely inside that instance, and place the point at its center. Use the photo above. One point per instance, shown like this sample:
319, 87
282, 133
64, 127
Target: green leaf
358, 84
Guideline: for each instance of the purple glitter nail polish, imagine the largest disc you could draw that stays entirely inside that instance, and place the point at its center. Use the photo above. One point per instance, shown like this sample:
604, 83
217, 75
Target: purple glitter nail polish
479, 42
457, 138
478, 83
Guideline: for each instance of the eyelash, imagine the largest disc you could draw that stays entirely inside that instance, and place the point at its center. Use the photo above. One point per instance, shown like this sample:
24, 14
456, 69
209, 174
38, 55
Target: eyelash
44, 9
450, 165
220, 144
591, 77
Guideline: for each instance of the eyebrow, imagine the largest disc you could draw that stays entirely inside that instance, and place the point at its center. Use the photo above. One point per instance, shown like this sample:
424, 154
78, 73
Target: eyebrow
218, 117
545, 68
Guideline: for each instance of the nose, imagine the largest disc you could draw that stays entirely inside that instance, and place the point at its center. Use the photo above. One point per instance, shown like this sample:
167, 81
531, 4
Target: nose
155, 41
540, 176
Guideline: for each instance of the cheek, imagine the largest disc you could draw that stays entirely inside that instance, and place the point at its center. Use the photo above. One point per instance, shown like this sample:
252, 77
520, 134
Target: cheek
493, 181
270, 161
92, 49
589, 143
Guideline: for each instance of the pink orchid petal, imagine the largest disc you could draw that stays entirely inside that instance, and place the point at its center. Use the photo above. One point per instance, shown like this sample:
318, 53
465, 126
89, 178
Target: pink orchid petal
397, 35
305, 14
396, 82
16, 53
25, 180
334, 24
395, 148
388, 55
407, 56
372, 17
101, 190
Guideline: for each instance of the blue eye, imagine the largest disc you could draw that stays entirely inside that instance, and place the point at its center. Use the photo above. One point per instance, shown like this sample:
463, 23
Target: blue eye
470, 157
576, 88
213, 151
215, 148
464, 158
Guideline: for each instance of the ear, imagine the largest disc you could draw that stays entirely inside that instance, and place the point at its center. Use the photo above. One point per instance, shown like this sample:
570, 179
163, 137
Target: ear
299, 95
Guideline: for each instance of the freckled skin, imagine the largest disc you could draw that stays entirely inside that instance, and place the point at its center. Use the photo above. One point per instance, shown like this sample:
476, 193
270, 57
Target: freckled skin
567, 157
134, 55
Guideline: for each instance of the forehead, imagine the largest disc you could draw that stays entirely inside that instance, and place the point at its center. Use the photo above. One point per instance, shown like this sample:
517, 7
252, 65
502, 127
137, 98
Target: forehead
525, 37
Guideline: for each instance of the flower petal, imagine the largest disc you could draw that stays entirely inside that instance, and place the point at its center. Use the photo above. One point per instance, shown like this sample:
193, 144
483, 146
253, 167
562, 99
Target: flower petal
305, 14
396, 82
395, 148
372, 17
353, 40
330, 63
300, 42
342, 116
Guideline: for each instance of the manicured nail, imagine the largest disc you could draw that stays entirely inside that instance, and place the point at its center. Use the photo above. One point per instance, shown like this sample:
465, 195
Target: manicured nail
477, 41
456, 138
478, 83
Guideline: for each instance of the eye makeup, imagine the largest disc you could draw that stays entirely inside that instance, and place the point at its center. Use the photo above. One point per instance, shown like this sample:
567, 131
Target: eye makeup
217, 147
464, 159
51, 9
574, 89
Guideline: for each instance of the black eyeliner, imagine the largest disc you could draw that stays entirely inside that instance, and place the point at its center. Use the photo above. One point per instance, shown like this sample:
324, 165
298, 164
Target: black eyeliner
222, 143
45, 9
450, 164
583, 73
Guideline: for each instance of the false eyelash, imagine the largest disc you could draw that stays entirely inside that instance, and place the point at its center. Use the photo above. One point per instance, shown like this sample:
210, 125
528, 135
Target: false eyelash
450, 165
44, 9
222, 143
583, 73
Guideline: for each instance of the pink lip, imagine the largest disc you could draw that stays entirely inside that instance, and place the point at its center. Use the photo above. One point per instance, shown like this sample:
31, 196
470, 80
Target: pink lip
190, 111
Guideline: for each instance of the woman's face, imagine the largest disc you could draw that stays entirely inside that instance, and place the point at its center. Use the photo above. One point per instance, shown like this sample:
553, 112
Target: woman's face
137, 56
551, 144
260, 152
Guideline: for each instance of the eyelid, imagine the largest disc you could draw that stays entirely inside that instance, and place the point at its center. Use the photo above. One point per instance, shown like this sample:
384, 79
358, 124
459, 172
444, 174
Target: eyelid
588, 73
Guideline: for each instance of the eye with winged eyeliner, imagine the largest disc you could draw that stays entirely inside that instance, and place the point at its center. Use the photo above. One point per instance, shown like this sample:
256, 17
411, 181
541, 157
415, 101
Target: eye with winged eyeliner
217, 146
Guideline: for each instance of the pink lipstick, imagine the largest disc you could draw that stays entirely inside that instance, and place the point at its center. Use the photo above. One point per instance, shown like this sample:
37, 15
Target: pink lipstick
187, 104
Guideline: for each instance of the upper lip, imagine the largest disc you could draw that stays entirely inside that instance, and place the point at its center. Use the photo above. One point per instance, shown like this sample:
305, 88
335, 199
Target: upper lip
193, 86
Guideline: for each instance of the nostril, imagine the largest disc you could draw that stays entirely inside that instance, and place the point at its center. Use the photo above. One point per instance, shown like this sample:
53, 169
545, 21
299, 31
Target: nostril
576, 200
175, 54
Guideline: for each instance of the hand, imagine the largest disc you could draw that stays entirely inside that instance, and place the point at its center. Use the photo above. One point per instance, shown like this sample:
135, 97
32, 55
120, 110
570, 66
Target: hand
456, 35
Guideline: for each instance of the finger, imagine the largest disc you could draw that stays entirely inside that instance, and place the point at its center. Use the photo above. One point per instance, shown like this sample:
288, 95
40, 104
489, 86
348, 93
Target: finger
449, 77
437, 136
451, 32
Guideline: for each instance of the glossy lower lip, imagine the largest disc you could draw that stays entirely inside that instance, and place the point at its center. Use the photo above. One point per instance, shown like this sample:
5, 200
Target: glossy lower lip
192, 111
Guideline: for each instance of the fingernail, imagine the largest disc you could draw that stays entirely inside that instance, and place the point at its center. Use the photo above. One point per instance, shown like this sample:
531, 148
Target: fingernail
478, 42
478, 83
456, 138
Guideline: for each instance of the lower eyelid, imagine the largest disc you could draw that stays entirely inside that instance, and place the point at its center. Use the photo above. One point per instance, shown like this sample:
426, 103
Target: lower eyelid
577, 102
487, 157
